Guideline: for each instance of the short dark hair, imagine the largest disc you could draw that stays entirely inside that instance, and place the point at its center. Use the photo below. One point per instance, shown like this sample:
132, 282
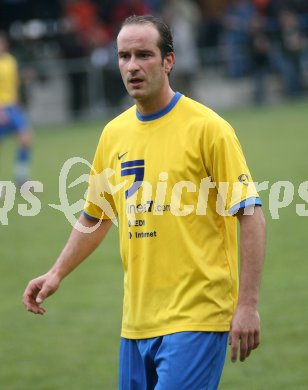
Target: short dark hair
165, 42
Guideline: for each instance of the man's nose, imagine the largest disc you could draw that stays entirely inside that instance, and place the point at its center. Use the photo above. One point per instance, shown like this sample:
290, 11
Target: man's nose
132, 65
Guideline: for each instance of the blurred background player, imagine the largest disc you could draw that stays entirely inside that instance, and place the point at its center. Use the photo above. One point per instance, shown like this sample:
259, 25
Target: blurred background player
260, 47
291, 46
12, 118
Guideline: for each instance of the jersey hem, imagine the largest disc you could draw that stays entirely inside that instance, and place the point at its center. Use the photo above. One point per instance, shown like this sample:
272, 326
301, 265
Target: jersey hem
251, 201
136, 335
88, 216
92, 218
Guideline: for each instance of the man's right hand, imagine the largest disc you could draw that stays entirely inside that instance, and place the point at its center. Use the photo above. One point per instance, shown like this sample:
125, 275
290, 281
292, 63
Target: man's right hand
79, 246
38, 290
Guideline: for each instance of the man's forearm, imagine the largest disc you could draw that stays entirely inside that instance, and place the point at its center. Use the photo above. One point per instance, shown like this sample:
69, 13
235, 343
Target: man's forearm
79, 246
245, 324
252, 246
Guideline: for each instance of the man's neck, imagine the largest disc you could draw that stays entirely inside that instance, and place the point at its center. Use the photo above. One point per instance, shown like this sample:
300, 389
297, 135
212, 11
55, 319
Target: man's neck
152, 105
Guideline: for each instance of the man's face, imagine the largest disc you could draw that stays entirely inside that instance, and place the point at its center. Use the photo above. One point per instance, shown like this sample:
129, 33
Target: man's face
144, 72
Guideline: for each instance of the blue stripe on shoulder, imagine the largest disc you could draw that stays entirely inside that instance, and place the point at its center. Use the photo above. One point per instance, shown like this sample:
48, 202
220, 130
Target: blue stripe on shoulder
164, 111
253, 201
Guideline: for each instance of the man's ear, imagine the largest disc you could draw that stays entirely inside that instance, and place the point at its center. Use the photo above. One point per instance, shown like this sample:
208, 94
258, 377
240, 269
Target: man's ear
169, 61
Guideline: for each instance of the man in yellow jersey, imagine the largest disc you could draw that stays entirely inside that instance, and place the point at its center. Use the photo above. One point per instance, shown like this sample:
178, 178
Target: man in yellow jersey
173, 173
12, 119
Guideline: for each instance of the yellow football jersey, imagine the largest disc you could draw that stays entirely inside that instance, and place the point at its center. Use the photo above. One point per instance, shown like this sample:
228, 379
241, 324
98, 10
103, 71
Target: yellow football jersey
173, 179
8, 80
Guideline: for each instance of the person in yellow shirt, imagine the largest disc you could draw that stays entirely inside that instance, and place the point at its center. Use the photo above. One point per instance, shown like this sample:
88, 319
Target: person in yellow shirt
13, 120
174, 175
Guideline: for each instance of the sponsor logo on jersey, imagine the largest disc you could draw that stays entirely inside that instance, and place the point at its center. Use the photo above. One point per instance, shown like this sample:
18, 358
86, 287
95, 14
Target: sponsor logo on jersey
130, 168
121, 155
243, 178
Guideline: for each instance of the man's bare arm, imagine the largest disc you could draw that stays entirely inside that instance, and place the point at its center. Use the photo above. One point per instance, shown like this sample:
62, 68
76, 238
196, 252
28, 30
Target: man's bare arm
78, 247
245, 325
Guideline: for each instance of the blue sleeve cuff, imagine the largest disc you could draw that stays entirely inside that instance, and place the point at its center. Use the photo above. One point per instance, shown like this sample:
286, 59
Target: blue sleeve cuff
90, 217
253, 201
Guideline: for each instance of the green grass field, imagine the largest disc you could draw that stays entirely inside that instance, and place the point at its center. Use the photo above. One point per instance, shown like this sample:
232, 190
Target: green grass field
75, 345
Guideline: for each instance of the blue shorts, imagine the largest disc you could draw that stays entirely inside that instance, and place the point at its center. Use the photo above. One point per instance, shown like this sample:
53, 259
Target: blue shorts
178, 361
17, 121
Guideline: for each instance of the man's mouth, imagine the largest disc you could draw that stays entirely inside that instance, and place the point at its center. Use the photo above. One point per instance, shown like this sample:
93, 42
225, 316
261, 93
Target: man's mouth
135, 81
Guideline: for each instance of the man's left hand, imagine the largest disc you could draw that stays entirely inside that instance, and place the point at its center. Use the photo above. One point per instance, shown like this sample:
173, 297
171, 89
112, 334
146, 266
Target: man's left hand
244, 333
